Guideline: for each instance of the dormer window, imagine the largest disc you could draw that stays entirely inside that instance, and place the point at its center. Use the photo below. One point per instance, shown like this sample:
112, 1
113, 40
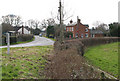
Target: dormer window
86, 30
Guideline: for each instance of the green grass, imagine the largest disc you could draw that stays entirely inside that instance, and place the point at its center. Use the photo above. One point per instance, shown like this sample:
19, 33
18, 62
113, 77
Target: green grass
51, 38
24, 62
104, 57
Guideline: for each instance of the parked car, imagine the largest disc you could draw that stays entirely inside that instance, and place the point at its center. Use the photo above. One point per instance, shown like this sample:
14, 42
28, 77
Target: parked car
40, 35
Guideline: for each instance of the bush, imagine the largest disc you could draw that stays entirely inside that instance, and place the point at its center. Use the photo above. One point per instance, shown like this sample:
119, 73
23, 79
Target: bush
24, 37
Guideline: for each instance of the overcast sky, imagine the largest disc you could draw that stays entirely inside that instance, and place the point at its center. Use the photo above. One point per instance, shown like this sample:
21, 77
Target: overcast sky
89, 11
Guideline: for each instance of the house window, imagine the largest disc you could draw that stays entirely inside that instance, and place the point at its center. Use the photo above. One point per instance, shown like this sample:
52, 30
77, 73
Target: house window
67, 29
93, 35
86, 35
81, 35
76, 35
86, 30
72, 29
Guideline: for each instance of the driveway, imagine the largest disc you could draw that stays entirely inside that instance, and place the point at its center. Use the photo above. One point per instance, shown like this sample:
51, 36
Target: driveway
39, 41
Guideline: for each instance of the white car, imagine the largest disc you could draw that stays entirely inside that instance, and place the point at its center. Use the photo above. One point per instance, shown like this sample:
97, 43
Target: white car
40, 35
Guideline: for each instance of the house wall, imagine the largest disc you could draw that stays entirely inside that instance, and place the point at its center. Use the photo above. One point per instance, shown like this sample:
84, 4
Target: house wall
25, 31
71, 29
99, 35
81, 30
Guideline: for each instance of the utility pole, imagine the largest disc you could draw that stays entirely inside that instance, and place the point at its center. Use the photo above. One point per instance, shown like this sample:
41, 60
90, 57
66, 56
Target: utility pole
61, 22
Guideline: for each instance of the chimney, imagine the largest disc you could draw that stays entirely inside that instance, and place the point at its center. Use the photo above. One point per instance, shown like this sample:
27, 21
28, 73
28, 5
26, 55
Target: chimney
71, 21
22, 29
78, 20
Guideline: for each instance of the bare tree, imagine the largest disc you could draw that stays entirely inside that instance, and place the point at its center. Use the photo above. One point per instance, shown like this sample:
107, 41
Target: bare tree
17, 21
101, 26
44, 23
31, 24
97, 23
36, 24
51, 22
11, 19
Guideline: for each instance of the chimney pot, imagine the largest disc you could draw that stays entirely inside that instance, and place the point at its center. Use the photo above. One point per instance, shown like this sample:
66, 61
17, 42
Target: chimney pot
71, 21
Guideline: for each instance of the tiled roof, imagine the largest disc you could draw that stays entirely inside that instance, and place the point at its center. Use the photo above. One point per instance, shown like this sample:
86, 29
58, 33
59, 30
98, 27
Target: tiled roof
96, 32
73, 24
86, 25
17, 28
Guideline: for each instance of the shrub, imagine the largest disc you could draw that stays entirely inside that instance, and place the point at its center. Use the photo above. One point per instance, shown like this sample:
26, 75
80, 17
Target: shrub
24, 37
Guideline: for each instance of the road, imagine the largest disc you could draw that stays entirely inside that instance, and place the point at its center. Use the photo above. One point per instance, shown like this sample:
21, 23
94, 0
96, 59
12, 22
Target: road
39, 41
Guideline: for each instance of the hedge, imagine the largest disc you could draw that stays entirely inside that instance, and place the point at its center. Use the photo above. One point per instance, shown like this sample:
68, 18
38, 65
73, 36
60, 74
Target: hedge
24, 37
97, 41
19, 38
81, 44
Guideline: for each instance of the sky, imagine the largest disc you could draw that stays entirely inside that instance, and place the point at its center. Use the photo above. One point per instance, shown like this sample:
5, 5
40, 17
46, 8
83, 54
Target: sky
89, 11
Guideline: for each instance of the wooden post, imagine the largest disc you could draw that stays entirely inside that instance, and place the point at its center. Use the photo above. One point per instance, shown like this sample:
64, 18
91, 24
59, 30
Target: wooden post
61, 22
8, 43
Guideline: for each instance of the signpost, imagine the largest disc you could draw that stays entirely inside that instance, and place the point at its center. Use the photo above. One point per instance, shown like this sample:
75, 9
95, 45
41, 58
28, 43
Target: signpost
8, 43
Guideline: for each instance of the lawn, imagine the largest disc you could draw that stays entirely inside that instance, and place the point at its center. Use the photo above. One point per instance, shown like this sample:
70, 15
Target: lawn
104, 57
24, 62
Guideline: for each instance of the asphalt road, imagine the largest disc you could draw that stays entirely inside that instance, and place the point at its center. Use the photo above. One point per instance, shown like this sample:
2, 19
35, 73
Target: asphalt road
39, 41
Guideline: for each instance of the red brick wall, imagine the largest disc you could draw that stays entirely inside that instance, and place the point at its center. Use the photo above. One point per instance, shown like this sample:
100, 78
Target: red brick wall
81, 30
69, 28
99, 35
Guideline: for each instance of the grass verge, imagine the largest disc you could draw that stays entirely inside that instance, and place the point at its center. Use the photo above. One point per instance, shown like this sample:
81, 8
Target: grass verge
24, 62
104, 57
51, 38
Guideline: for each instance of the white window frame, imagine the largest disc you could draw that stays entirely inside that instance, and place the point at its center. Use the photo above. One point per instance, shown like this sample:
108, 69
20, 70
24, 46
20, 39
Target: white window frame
86, 35
67, 29
72, 29
86, 29
81, 35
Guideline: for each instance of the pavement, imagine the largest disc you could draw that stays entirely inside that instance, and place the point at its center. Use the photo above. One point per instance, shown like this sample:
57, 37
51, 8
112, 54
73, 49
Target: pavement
39, 41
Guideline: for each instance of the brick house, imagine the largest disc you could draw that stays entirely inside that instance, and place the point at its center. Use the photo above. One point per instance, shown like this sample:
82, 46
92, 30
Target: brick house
78, 29
96, 33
